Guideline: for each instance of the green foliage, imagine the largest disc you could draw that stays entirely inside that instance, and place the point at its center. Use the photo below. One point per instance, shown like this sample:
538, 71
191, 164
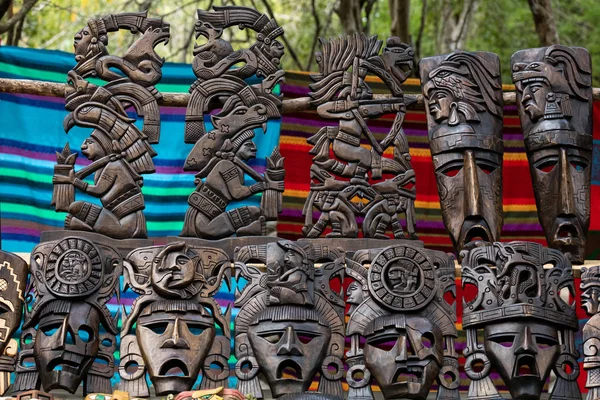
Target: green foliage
502, 27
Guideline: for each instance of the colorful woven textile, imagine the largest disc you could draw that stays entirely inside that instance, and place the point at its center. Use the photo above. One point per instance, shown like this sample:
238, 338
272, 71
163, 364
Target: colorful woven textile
31, 131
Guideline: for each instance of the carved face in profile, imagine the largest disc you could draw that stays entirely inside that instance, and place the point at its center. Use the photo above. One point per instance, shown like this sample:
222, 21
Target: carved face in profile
523, 353
66, 344
470, 189
534, 99
81, 44
439, 104
354, 293
405, 356
289, 352
176, 271
92, 149
175, 345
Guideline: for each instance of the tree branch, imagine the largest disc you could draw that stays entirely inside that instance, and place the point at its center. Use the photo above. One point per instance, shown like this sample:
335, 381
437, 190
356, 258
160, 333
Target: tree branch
5, 26
317, 33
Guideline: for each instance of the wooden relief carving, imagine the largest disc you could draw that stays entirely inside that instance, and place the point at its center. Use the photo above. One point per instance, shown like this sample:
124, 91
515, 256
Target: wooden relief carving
554, 96
221, 155
68, 330
120, 151
358, 181
175, 338
463, 102
527, 316
408, 329
290, 325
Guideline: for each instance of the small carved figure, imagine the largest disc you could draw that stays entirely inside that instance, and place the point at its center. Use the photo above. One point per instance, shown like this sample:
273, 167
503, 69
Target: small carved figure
68, 329
463, 102
290, 324
119, 150
13, 281
341, 93
590, 301
175, 315
398, 308
554, 96
527, 316
221, 156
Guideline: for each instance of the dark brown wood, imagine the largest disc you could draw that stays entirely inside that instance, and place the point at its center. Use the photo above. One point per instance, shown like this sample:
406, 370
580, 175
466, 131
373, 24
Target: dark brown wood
221, 155
120, 151
463, 98
290, 319
357, 181
398, 309
527, 316
72, 280
554, 96
175, 337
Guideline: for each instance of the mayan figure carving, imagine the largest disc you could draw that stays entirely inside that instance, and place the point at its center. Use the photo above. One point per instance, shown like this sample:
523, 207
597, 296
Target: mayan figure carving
175, 339
221, 154
554, 96
358, 181
290, 325
527, 316
590, 301
68, 329
398, 307
463, 102
13, 281
120, 152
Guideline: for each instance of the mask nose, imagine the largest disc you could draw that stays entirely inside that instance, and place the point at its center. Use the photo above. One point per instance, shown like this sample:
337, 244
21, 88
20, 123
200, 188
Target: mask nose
471, 185
566, 197
402, 349
175, 341
289, 344
526, 344
65, 336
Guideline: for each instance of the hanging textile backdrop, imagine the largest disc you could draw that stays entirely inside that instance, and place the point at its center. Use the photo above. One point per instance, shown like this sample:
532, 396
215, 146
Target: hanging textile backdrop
31, 131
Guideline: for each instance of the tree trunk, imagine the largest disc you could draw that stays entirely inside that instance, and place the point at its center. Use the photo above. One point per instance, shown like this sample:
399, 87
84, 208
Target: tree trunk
400, 13
543, 17
455, 24
350, 14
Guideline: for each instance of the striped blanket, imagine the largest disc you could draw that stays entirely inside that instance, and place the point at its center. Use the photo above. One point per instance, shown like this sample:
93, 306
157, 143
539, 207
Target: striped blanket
31, 131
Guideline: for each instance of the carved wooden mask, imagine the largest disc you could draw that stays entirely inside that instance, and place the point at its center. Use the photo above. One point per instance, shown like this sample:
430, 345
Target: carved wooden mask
463, 102
290, 324
554, 96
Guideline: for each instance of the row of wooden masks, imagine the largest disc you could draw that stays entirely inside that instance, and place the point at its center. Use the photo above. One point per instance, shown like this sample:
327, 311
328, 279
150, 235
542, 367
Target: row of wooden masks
384, 316
75, 274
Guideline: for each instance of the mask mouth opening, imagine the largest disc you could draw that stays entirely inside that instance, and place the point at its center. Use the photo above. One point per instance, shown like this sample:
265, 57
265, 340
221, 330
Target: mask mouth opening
567, 233
477, 233
289, 369
174, 368
525, 366
408, 373
69, 363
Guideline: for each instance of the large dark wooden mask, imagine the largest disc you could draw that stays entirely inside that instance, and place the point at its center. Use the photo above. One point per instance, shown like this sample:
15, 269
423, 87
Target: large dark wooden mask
68, 329
222, 155
463, 101
119, 150
349, 181
290, 325
554, 95
13, 279
175, 337
399, 307
527, 316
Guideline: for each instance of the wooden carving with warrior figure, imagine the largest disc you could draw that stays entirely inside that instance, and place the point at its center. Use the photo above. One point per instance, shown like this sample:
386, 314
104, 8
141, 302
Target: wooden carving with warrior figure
119, 151
358, 181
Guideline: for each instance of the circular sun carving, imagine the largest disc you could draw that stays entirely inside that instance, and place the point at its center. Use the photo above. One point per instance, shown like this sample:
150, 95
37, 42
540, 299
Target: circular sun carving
74, 268
402, 278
